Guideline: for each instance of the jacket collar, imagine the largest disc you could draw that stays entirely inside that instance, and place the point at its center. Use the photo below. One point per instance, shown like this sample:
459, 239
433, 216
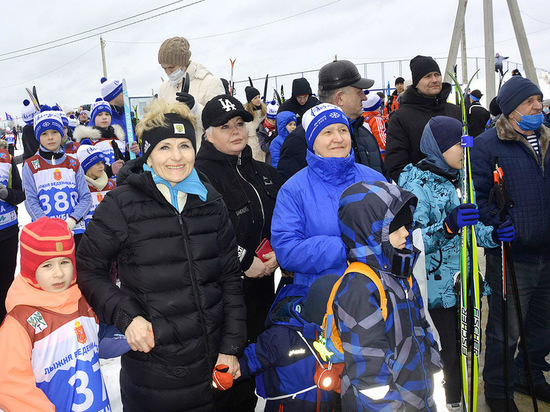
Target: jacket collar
414, 98
143, 181
333, 170
506, 132
209, 152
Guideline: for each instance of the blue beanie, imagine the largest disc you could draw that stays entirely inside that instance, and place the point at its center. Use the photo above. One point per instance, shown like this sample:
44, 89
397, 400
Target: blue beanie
89, 155
318, 117
99, 106
110, 89
447, 131
48, 119
514, 92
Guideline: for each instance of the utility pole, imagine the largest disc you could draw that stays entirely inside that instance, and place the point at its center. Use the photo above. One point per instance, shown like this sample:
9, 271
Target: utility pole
102, 44
455, 39
490, 88
463, 56
523, 44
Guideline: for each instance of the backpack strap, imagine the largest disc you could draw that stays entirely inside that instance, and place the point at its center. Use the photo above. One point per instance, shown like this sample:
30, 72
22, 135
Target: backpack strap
359, 267
329, 326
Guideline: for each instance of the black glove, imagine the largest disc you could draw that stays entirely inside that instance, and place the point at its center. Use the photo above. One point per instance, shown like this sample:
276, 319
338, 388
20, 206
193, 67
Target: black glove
186, 98
465, 214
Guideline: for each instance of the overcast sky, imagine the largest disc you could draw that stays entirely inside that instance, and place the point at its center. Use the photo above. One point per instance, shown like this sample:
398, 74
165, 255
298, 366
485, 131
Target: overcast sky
304, 35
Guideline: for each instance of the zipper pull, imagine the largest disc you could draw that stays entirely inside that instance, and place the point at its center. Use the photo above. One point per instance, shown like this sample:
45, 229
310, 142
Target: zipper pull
239, 160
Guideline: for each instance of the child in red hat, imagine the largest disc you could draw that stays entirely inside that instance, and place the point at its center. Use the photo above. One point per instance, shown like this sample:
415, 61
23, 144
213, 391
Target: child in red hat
49, 345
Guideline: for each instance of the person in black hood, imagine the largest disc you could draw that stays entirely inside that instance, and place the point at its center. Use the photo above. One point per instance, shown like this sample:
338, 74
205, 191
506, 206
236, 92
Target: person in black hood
301, 99
249, 189
426, 98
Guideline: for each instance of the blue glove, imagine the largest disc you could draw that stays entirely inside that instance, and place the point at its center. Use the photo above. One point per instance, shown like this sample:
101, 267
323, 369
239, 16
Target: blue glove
466, 214
505, 232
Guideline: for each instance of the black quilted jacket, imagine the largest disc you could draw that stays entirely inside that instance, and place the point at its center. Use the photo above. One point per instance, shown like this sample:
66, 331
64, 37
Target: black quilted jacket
181, 272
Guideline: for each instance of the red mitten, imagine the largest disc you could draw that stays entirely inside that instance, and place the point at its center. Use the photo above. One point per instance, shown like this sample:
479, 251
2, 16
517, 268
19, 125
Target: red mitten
221, 379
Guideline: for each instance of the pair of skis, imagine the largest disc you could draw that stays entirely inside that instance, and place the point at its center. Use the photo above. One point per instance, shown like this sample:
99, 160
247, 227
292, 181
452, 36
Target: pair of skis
34, 97
469, 273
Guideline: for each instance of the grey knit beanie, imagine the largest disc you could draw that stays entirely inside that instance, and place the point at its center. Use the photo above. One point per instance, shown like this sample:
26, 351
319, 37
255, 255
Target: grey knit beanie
175, 50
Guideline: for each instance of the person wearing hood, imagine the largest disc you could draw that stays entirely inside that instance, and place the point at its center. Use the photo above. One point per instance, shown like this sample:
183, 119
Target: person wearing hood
180, 303
258, 109
519, 143
107, 137
389, 360
426, 98
440, 215
174, 57
302, 99
283, 358
286, 123
304, 231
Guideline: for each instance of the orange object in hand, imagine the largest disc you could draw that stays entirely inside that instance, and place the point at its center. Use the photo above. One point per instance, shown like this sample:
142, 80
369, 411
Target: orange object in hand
221, 378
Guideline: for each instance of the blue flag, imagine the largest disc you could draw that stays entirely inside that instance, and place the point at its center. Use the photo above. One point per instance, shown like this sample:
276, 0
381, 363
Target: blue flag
8, 117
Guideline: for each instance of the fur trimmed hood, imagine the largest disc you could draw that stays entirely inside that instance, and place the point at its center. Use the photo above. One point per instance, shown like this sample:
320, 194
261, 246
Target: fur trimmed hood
87, 132
505, 131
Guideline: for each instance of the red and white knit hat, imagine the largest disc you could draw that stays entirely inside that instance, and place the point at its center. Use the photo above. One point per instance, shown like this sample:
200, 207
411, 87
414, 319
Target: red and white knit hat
45, 239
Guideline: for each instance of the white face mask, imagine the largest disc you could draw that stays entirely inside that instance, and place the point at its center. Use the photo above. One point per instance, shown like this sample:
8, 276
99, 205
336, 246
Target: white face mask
176, 76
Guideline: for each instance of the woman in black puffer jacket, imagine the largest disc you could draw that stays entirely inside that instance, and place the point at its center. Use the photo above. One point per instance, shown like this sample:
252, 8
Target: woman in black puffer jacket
180, 304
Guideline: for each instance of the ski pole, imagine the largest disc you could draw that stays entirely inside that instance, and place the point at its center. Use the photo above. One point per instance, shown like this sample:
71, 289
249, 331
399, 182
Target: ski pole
497, 185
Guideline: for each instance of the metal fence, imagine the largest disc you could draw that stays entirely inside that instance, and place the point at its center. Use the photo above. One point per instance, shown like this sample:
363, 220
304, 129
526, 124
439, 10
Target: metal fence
381, 72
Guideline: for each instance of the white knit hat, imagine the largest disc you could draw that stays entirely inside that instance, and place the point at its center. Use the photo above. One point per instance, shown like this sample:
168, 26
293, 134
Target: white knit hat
110, 89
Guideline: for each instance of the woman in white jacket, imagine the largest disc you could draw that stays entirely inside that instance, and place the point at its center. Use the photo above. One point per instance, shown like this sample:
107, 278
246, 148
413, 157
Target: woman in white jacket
174, 57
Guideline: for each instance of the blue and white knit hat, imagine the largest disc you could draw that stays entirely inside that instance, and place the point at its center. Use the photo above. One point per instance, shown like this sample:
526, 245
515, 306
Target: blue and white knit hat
47, 119
89, 155
99, 106
372, 103
73, 122
272, 108
28, 112
110, 89
63, 115
318, 117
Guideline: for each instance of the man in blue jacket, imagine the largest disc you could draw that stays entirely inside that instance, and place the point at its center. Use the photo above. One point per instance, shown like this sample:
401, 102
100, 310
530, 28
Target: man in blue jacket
519, 143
